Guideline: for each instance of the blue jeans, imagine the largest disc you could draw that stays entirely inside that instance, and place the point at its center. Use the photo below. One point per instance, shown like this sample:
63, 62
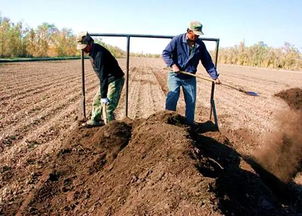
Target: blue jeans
175, 81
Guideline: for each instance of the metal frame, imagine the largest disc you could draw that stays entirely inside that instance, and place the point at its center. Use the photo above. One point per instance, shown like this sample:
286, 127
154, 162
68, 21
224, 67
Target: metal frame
128, 36
212, 101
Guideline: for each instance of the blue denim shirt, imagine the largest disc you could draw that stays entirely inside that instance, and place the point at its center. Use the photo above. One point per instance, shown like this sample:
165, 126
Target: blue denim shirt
178, 52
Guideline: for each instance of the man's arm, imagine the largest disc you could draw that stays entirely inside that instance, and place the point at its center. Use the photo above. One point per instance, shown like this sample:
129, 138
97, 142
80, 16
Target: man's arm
102, 74
207, 62
167, 53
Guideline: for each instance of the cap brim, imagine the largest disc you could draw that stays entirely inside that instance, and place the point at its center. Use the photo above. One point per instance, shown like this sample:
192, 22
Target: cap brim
198, 32
81, 46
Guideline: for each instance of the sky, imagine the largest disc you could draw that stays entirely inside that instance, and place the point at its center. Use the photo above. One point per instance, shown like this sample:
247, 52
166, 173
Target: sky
231, 21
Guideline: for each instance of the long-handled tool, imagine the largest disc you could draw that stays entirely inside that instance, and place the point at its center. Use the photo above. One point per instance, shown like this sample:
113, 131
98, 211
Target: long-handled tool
224, 84
104, 113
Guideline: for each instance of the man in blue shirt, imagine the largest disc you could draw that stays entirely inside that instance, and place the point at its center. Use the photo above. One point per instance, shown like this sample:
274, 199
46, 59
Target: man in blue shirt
183, 53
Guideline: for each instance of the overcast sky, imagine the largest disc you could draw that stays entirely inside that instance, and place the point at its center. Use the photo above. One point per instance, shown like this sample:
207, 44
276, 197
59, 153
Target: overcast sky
272, 21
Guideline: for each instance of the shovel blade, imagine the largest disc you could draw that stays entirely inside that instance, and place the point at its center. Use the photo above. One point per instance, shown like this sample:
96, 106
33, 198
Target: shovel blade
251, 93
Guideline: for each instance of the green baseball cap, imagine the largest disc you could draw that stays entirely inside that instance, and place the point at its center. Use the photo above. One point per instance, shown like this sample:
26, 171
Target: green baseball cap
196, 27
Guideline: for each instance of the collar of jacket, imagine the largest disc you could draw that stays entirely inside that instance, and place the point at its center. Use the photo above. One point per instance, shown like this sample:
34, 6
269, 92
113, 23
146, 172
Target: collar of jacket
187, 48
185, 40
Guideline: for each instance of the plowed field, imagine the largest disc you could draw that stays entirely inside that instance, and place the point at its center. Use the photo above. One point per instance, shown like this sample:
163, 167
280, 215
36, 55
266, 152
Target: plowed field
40, 105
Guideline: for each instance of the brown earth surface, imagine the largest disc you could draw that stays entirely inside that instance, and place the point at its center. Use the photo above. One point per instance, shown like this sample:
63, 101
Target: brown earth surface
151, 163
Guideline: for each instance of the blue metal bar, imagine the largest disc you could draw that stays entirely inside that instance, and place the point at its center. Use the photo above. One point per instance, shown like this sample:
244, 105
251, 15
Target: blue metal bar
127, 74
143, 36
83, 86
212, 101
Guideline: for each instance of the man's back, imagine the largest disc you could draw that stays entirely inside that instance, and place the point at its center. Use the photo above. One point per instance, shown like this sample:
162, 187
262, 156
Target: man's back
104, 62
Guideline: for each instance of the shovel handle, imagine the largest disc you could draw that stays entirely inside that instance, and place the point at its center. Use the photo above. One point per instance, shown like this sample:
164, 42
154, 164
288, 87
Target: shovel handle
194, 75
104, 113
200, 77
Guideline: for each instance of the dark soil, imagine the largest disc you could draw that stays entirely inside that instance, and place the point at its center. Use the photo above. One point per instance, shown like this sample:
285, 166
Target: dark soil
154, 166
293, 97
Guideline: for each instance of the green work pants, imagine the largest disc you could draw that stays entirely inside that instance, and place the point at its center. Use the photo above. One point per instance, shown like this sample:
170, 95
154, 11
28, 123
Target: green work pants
113, 94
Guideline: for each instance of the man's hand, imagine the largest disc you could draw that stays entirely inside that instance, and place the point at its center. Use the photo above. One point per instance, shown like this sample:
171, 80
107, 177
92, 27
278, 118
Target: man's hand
217, 81
175, 68
105, 101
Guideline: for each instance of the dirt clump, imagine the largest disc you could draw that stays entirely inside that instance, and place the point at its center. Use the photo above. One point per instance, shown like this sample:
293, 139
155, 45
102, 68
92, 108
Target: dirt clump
154, 166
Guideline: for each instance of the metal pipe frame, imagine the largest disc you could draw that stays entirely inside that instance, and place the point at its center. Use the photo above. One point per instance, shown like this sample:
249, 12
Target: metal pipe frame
83, 86
212, 101
129, 36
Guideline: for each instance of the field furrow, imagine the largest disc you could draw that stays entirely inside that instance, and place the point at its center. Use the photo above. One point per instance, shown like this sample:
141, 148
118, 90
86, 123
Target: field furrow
26, 109
40, 103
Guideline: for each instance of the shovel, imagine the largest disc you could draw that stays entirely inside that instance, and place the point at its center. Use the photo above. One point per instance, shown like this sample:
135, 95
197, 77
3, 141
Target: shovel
224, 84
104, 113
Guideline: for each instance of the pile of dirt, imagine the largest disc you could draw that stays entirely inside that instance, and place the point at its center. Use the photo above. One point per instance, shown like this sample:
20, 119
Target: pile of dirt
153, 166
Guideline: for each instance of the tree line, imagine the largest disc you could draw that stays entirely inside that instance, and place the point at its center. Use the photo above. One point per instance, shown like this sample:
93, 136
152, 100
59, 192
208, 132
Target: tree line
45, 41
261, 55
17, 40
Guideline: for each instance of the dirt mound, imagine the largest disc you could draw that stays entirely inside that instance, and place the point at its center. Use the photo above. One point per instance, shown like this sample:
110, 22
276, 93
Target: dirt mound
153, 166
293, 97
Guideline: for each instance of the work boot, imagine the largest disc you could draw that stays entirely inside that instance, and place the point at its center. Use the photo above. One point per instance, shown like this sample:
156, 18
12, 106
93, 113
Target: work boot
91, 123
